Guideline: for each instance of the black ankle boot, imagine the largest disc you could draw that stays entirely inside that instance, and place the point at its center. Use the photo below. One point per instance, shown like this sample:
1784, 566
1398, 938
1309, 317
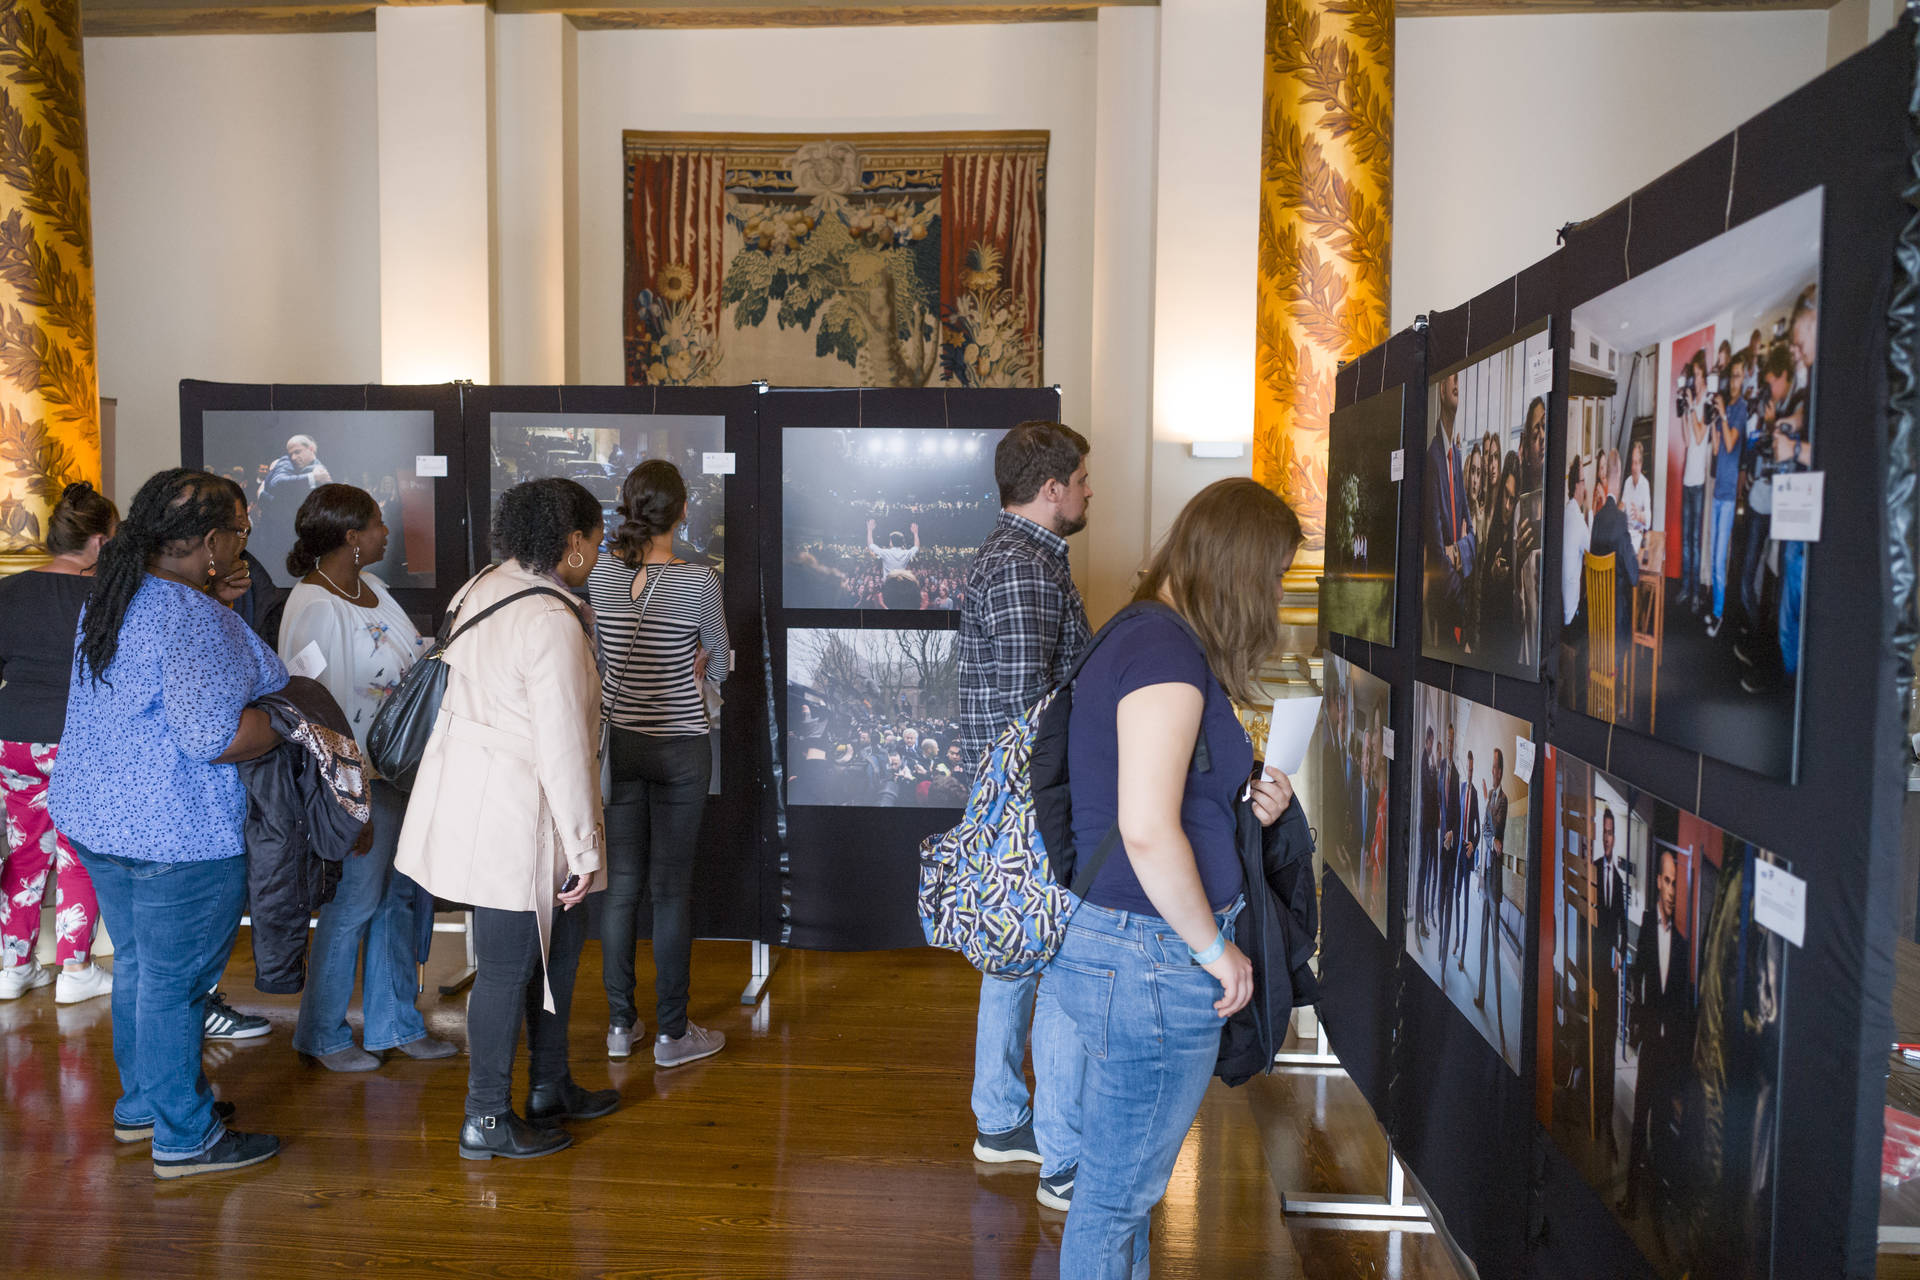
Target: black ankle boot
484, 1137
549, 1104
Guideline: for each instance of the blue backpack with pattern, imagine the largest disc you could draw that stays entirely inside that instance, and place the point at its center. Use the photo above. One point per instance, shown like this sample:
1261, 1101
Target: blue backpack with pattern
1000, 887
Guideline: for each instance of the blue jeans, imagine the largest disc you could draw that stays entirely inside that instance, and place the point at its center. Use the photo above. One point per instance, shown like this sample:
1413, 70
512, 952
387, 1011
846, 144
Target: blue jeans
374, 905
1722, 547
1793, 584
999, 1080
173, 926
1693, 505
1142, 1013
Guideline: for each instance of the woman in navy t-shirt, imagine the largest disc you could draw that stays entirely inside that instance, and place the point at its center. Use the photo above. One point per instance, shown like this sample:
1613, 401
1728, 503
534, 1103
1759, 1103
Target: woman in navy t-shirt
1148, 969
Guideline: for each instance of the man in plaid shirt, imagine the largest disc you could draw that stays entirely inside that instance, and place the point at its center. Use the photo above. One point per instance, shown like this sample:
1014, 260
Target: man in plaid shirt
1021, 627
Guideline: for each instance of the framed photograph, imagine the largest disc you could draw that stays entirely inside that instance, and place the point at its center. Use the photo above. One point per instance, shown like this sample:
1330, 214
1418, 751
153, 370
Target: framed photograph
884, 517
1467, 860
1691, 394
1483, 498
1660, 1061
873, 717
1354, 721
1363, 518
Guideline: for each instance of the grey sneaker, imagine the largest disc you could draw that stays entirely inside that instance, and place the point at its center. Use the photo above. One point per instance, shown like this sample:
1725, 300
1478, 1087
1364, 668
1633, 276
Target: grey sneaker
697, 1043
1005, 1148
620, 1040
1057, 1192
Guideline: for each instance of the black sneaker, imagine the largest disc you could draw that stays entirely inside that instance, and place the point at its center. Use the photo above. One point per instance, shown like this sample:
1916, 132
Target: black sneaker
235, 1150
222, 1111
1057, 1192
1005, 1148
224, 1022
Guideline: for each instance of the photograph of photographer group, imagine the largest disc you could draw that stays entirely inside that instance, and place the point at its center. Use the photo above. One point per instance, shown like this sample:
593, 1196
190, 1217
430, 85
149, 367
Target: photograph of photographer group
1691, 389
1363, 518
1352, 769
1660, 1063
884, 517
279, 456
873, 718
1467, 860
1482, 502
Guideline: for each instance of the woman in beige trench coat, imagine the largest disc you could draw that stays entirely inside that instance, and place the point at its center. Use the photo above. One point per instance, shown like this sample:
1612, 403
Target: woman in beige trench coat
506, 813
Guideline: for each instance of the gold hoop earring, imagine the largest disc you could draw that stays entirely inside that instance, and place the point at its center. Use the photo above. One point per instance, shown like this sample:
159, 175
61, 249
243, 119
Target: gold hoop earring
575, 560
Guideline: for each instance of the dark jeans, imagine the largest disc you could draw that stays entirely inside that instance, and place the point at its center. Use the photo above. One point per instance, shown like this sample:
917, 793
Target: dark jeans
1693, 507
506, 992
653, 828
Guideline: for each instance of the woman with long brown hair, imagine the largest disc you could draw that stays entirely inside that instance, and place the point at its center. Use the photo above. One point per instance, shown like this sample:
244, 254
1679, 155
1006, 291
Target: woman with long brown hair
1149, 969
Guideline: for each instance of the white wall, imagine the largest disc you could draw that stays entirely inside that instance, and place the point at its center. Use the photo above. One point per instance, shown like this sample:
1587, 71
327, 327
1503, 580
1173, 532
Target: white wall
1510, 127
1020, 76
235, 221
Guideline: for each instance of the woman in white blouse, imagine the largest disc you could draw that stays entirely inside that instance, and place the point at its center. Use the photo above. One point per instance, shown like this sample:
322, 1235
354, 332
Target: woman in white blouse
344, 617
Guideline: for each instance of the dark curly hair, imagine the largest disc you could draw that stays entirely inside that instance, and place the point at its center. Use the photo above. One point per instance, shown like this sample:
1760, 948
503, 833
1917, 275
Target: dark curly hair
534, 517
82, 512
173, 509
651, 502
323, 522
1032, 454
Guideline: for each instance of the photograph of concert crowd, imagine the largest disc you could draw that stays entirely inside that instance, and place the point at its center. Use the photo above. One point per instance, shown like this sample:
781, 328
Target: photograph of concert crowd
600, 449
1467, 860
873, 718
1690, 392
884, 518
1661, 1061
279, 456
1363, 518
1353, 766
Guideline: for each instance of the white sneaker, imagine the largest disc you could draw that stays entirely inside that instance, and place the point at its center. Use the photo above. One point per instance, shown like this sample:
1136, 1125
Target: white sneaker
75, 985
698, 1042
17, 980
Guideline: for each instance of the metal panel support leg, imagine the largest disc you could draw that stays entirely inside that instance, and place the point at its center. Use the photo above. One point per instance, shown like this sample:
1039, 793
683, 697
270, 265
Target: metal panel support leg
1308, 1024
464, 978
762, 970
1391, 1212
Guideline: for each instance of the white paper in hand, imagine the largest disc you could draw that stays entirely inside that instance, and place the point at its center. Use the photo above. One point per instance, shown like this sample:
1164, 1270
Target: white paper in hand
309, 662
1293, 723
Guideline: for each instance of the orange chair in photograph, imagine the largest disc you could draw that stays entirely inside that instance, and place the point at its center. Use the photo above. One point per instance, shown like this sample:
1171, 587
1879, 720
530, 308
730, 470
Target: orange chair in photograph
1603, 657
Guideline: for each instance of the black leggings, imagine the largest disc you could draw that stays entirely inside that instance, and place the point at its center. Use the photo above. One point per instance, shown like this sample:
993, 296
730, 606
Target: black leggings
506, 992
653, 828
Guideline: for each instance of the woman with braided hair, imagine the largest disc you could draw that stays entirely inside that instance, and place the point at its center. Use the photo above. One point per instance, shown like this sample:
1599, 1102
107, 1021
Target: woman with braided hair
148, 795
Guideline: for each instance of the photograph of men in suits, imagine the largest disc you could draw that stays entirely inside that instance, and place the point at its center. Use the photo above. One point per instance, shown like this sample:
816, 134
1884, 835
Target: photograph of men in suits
1431, 783
1449, 534
1609, 950
1464, 859
1493, 867
1452, 818
1661, 981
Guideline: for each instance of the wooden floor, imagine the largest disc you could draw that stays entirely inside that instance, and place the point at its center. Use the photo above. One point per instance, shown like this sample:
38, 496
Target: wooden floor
830, 1139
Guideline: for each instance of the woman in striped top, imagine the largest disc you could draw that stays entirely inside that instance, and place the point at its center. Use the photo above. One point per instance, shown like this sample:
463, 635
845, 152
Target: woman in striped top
664, 636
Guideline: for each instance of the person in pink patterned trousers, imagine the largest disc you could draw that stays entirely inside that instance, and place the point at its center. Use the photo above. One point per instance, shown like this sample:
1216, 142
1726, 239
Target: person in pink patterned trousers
39, 616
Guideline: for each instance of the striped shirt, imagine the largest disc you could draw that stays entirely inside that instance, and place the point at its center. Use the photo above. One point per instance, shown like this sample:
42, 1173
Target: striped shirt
656, 691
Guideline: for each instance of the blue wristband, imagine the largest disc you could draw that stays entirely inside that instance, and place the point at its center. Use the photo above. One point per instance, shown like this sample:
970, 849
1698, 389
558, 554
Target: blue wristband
1216, 949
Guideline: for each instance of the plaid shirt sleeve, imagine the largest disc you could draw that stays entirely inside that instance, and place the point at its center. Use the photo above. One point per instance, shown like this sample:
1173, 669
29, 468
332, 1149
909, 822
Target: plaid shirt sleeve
1024, 611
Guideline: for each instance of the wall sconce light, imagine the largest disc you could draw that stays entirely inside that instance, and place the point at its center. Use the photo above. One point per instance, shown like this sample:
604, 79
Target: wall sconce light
1217, 448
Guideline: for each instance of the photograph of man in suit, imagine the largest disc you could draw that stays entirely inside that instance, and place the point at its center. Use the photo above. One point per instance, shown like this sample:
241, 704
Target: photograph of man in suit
1609, 949
1662, 1033
1452, 815
1464, 861
1430, 805
1610, 534
1490, 886
1449, 532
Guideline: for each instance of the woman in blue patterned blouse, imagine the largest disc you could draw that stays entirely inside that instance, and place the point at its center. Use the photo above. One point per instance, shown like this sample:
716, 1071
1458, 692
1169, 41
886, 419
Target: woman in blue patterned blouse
149, 797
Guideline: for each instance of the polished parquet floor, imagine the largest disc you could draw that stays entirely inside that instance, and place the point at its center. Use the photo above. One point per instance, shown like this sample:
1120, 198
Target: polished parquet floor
830, 1139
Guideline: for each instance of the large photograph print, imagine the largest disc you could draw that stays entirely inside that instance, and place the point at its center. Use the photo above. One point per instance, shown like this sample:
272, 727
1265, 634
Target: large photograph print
1483, 497
884, 517
1467, 861
1352, 762
279, 456
1363, 518
872, 718
1661, 1060
1691, 390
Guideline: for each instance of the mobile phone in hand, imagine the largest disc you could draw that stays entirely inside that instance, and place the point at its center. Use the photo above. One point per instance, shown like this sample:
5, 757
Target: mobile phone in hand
571, 883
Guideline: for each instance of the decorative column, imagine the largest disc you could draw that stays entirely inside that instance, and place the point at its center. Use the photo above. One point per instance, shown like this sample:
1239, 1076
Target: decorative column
1326, 221
49, 390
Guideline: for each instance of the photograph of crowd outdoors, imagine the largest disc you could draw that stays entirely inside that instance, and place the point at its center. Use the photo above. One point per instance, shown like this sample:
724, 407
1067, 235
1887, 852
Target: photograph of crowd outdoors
1691, 390
1662, 1057
885, 518
1353, 765
279, 456
599, 449
873, 719
1363, 518
1467, 860
1483, 497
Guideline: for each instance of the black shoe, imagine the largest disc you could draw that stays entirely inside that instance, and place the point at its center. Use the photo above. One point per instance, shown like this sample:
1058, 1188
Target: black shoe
235, 1150
550, 1104
1741, 652
1057, 1192
222, 1111
1005, 1148
1754, 682
484, 1137
224, 1022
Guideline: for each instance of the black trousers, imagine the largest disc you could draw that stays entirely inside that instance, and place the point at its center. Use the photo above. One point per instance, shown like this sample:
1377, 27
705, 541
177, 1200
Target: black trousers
506, 992
653, 829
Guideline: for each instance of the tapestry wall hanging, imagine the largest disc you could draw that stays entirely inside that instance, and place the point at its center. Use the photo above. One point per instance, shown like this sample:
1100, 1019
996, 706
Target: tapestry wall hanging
835, 260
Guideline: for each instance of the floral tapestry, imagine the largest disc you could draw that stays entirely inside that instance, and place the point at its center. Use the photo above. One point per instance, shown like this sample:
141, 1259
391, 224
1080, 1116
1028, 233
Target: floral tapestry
848, 260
